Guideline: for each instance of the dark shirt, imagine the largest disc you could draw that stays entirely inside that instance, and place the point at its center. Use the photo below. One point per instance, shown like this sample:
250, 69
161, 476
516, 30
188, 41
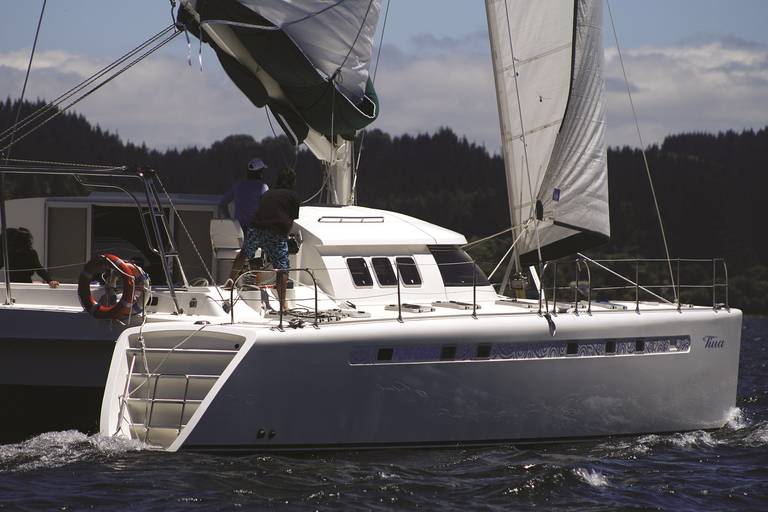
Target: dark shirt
24, 264
277, 209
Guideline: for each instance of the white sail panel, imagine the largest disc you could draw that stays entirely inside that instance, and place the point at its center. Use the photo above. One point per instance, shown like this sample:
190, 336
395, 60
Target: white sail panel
308, 23
549, 56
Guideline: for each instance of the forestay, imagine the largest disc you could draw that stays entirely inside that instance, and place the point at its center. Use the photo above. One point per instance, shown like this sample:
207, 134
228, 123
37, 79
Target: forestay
548, 69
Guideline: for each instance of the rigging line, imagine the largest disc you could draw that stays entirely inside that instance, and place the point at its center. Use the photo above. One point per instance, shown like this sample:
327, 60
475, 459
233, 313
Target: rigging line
80, 87
522, 129
357, 36
3, 228
275, 136
189, 236
92, 80
507, 253
24, 88
320, 190
373, 81
273, 27
70, 165
642, 150
470, 245
33, 116
623, 278
99, 86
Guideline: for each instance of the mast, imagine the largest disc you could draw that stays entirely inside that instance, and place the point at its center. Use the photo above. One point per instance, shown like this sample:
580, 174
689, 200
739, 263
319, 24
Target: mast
305, 60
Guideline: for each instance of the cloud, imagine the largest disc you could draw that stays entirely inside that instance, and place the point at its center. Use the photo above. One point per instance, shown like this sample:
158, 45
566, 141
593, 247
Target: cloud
696, 86
702, 86
162, 101
455, 91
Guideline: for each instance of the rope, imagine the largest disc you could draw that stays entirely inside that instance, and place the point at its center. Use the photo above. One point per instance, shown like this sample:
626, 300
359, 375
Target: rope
642, 149
88, 83
357, 36
322, 186
84, 83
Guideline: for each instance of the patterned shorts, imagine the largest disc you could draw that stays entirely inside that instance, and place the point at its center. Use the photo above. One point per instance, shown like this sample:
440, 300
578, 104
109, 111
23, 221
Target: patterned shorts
275, 246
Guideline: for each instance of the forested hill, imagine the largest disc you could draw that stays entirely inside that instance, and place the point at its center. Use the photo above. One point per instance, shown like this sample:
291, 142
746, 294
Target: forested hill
709, 187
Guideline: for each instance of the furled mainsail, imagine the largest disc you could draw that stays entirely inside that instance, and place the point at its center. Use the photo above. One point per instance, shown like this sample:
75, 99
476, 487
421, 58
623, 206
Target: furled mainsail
548, 68
306, 60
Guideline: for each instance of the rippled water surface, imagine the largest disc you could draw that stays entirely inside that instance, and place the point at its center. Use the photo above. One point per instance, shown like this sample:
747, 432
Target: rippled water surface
702, 471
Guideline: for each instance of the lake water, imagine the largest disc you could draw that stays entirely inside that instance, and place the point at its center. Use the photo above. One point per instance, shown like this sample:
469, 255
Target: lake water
695, 471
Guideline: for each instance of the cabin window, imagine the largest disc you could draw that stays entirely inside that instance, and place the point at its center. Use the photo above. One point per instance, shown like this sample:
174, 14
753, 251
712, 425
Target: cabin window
483, 352
195, 256
385, 274
358, 268
456, 267
409, 274
67, 242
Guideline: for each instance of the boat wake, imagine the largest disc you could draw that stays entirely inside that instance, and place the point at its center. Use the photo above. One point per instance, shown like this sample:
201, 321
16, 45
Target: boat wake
739, 431
56, 449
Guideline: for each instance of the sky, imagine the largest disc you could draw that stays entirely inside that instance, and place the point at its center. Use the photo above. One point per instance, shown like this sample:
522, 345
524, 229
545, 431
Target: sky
691, 65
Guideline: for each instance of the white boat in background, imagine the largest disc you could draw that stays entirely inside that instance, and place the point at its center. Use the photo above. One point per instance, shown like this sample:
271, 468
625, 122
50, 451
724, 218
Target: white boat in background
395, 338
52, 351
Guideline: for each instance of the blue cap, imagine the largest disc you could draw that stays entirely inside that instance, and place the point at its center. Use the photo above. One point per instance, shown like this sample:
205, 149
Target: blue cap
256, 164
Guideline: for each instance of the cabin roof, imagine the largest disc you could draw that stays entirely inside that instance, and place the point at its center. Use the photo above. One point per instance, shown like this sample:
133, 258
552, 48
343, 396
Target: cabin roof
357, 225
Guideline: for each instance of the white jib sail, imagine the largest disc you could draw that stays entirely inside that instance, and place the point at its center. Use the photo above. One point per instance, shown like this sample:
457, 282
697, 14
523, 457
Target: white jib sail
548, 54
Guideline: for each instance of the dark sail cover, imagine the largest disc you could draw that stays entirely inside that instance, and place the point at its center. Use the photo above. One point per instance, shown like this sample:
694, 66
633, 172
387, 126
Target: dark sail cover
249, 45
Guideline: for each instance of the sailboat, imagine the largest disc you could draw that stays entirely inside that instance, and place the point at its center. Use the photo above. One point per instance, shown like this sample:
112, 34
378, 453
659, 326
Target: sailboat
395, 338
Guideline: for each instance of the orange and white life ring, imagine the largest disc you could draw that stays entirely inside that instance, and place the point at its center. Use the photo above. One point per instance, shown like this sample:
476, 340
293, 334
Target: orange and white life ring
126, 272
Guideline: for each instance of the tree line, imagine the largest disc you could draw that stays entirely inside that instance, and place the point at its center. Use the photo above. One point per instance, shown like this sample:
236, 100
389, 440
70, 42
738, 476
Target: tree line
708, 186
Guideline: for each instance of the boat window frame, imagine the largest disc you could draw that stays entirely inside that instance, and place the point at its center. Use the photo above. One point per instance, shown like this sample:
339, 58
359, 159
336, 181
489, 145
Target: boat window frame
416, 272
363, 270
391, 274
448, 256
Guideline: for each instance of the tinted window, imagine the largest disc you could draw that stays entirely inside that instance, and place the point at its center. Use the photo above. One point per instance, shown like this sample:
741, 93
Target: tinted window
382, 267
456, 267
408, 271
359, 270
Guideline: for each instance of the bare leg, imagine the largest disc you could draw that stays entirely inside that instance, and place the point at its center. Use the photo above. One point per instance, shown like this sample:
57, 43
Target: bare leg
237, 265
281, 285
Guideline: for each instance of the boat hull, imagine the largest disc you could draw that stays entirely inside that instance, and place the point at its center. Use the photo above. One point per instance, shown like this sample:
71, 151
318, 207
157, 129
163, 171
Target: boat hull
53, 369
459, 381
53, 352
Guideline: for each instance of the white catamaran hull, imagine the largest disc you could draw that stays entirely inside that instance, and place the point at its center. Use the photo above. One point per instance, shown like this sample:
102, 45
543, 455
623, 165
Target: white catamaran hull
455, 381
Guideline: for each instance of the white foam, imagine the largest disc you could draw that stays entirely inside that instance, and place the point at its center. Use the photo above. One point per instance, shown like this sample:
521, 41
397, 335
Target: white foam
592, 477
56, 449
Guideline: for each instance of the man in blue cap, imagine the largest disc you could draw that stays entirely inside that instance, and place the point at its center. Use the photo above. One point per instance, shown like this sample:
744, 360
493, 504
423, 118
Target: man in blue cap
246, 194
